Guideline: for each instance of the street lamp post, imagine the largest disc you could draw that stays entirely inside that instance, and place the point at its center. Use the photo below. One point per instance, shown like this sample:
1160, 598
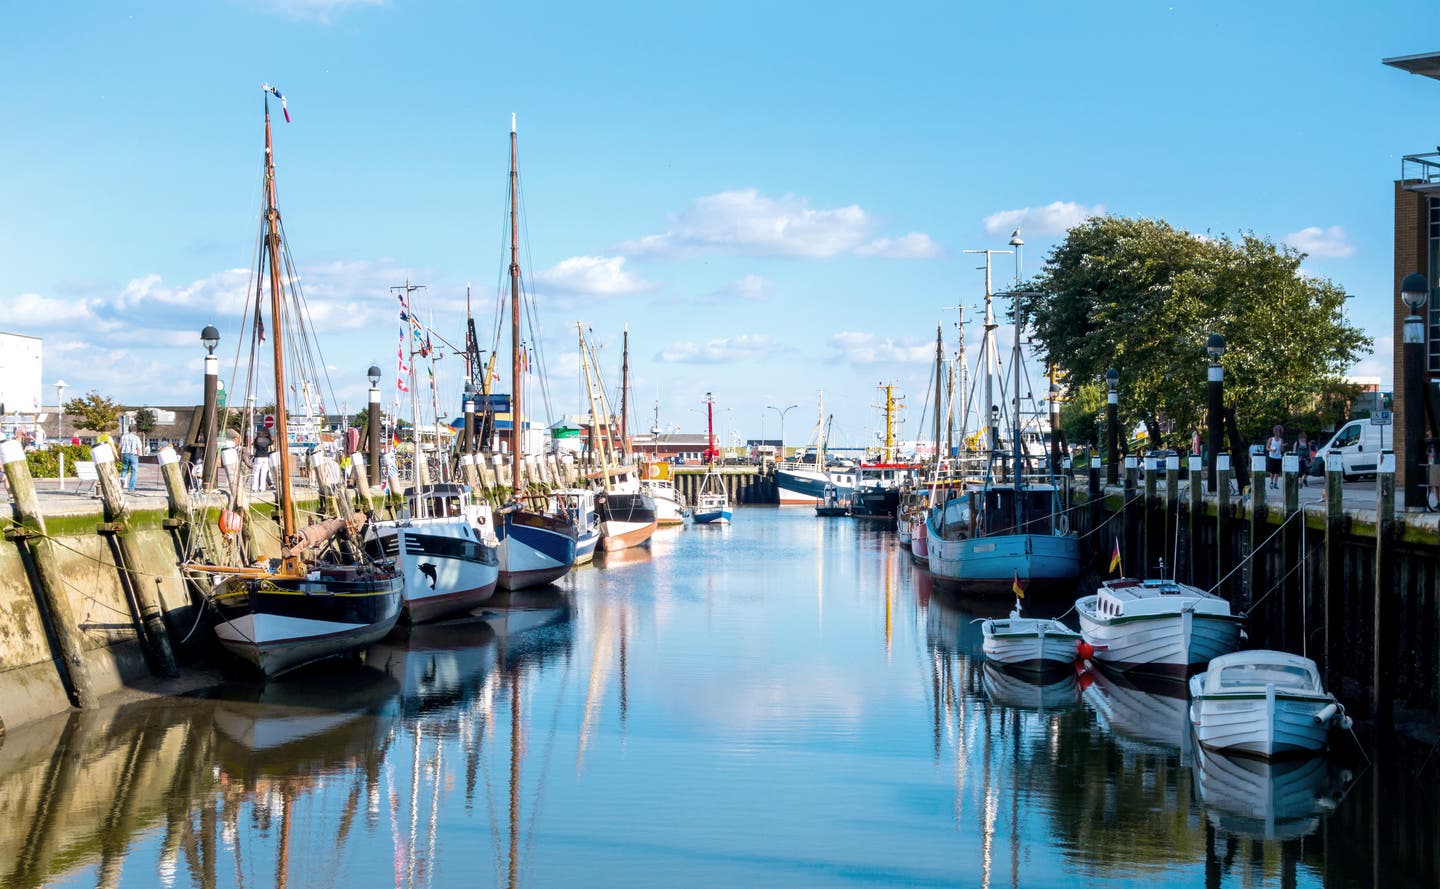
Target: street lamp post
1215, 348
210, 338
1112, 426
469, 443
372, 424
60, 427
782, 413
1414, 293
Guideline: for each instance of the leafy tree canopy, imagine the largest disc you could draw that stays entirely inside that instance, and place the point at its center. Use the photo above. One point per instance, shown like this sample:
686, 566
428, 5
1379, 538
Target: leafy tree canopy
1142, 296
93, 411
145, 421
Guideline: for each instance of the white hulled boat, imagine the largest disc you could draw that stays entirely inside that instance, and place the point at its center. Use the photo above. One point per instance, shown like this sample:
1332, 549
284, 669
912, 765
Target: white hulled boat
1157, 626
712, 503
1263, 703
1033, 643
579, 504
445, 549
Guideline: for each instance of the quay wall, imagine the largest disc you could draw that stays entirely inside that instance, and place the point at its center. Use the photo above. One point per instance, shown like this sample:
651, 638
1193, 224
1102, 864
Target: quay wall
746, 485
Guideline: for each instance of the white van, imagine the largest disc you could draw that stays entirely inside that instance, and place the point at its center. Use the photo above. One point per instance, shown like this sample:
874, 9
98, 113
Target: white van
1358, 446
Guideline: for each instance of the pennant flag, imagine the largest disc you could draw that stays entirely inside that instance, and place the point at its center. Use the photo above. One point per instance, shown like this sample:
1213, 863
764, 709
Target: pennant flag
1115, 558
284, 109
400, 384
1016, 588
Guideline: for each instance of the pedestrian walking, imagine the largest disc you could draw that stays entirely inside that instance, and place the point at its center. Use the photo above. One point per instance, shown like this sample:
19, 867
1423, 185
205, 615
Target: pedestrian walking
1274, 451
1306, 452
130, 446
260, 479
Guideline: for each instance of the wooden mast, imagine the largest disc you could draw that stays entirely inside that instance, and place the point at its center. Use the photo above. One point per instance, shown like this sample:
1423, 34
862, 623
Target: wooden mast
625, 399
939, 367
292, 564
517, 416
710, 429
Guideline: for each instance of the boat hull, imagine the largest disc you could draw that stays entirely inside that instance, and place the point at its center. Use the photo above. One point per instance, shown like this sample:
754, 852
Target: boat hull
447, 571
875, 503
1272, 723
919, 542
1172, 644
990, 565
535, 548
668, 508
718, 516
626, 519
1029, 643
277, 624
804, 487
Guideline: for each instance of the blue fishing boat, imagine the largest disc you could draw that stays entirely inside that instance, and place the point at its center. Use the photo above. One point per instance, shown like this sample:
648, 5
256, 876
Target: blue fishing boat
1010, 526
712, 504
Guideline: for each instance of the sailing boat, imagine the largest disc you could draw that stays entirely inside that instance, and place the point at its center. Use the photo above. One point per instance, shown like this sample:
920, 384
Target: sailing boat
712, 504
627, 514
1011, 528
322, 597
442, 544
535, 547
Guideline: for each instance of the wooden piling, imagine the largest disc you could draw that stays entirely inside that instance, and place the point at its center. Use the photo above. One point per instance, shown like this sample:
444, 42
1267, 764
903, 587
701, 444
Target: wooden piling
1337, 526
1154, 519
1382, 670
1291, 609
359, 471
1256, 572
153, 634
328, 481
1133, 509
30, 535
1196, 474
1172, 516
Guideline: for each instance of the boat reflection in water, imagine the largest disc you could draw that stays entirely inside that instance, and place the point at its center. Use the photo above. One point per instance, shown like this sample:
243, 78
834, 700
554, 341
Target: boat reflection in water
1267, 800
1028, 690
1150, 714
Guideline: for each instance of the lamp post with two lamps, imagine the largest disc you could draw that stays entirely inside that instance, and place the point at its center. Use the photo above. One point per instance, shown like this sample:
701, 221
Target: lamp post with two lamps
782, 413
210, 338
1215, 415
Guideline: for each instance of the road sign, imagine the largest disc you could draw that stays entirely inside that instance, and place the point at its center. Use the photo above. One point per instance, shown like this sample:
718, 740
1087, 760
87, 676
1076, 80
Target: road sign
269, 421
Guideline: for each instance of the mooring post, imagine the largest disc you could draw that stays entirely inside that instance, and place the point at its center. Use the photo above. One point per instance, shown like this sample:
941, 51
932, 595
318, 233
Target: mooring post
1336, 528
1172, 505
1382, 673
1196, 470
1224, 539
151, 630
30, 534
177, 496
1133, 509
1292, 610
328, 480
1154, 519
1259, 530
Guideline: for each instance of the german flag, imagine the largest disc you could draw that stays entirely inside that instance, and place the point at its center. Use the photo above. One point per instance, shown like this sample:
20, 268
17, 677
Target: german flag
1115, 558
1016, 588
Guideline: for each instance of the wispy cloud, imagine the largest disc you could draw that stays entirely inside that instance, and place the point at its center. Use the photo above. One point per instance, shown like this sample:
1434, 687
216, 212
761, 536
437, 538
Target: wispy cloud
1052, 219
1322, 243
747, 223
854, 347
593, 276
315, 10
718, 351
915, 245
756, 288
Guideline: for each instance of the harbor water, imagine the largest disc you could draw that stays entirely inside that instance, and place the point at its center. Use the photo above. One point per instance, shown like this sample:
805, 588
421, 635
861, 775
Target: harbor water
784, 701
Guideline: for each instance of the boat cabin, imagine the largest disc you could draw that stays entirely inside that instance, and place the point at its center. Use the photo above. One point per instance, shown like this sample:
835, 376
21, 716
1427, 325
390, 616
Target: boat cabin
1007, 510
1128, 597
1250, 670
439, 501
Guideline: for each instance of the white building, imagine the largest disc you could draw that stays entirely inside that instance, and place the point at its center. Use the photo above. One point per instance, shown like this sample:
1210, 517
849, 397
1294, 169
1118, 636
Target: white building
20, 382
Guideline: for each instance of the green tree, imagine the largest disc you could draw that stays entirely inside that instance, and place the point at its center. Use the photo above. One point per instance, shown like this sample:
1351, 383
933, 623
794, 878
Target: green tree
93, 411
1143, 297
1080, 414
145, 421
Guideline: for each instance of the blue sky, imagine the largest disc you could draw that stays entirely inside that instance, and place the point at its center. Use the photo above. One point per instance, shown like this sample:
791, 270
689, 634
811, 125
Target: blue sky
775, 198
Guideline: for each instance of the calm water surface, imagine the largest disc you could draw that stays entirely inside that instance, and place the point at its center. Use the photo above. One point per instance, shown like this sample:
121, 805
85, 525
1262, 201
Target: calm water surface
784, 702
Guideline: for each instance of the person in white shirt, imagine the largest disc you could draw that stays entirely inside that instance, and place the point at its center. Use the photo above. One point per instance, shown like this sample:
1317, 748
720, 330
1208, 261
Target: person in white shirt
1274, 451
130, 446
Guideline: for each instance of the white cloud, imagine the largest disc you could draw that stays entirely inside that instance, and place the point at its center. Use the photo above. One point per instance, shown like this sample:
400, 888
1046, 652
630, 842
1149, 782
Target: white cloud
315, 10
915, 245
32, 309
748, 223
1322, 243
718, 351
593, 276
868, 348
751, 287
1052, 219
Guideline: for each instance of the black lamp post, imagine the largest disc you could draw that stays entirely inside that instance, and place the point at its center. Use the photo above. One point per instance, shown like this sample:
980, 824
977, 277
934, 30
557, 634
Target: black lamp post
469, 445
1414, 293
1112, 426
372, 424
210, 338
1215, 416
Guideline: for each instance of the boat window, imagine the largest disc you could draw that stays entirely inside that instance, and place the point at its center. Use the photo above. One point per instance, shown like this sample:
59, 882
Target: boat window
1249, 675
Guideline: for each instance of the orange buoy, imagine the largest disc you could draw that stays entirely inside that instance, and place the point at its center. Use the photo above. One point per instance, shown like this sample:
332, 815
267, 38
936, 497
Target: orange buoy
1084, 650
230, 522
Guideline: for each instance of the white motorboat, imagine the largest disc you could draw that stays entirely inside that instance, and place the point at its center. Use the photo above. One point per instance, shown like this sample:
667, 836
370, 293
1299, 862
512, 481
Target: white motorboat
1156, 626
579, 504
1033, 643
1263, 703
446, 549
